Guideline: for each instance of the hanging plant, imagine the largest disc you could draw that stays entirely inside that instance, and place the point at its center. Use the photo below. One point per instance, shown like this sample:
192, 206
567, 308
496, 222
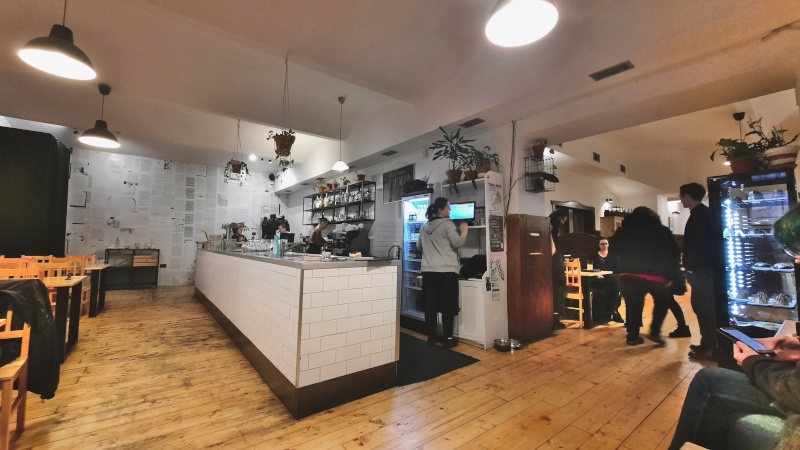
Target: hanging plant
284, 139
236, 169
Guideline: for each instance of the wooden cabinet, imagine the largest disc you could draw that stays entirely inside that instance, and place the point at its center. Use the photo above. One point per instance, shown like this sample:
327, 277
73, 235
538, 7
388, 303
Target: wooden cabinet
530, 281
609, 225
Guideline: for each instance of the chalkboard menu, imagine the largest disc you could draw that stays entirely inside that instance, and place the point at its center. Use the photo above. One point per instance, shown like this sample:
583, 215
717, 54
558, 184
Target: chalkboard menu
393, 182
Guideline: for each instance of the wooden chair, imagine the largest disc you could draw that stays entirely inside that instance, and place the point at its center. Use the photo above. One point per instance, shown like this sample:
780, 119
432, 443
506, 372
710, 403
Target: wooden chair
6, 274
38, 259
53, 270
574, 287
9, 373
86, 287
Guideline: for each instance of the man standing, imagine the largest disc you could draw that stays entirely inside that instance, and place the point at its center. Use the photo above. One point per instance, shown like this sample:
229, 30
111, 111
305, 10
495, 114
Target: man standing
697, 260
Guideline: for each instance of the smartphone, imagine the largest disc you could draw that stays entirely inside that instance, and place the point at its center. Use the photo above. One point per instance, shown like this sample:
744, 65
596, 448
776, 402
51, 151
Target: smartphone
759, 348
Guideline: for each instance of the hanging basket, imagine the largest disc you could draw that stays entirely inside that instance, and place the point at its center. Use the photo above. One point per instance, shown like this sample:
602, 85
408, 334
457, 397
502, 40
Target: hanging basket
236, 166
283, 144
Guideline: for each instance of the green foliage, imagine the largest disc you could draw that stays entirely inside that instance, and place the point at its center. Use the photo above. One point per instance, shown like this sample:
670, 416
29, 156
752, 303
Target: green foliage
272, 134
285, 163
485, 157
453, 148
755, 143
787, 230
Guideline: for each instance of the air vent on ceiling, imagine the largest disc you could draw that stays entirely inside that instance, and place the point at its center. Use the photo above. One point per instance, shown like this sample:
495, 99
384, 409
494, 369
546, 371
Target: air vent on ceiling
389, 153
472, 123
303, 184
611, 71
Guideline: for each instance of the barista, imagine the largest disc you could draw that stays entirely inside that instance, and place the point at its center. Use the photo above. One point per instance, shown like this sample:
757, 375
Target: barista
283, 226
238, 236
316, 241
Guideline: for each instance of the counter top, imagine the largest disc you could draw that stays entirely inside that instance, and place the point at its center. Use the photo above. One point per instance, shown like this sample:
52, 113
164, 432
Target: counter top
298, 263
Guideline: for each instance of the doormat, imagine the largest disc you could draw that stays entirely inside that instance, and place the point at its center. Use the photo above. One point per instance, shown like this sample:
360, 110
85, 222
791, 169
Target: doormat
420, 361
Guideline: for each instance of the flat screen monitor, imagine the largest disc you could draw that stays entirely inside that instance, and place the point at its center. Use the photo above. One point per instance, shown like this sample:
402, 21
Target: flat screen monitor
462, 211
288, 236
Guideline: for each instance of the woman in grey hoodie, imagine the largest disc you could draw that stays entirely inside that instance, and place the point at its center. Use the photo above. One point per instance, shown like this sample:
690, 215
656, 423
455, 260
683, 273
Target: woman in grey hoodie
438, 240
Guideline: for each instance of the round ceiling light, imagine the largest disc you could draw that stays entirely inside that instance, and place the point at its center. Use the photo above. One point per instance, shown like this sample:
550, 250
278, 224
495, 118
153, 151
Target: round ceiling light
57, 55
519, 22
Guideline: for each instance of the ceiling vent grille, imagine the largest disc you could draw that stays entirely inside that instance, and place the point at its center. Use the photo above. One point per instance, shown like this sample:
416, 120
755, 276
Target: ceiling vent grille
472, 123
389, 153
611, 71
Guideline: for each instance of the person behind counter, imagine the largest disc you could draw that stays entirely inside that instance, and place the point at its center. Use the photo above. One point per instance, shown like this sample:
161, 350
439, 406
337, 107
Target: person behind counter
237, 235
316, 241
438, 240
283, 227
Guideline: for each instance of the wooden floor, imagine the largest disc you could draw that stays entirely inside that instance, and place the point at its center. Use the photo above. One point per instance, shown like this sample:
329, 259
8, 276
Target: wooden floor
155, 371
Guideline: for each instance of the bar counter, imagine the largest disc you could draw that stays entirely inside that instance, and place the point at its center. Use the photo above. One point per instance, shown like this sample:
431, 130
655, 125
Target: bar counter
320, 334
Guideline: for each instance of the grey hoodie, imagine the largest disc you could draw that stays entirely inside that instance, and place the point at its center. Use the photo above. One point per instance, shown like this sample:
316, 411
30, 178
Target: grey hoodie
438, 240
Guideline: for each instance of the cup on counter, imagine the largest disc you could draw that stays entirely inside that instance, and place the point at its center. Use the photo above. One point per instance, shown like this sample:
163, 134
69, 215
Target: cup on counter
589, 264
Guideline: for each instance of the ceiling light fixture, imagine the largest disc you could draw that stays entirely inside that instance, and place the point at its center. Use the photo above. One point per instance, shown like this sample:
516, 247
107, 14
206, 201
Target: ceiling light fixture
340, 165
99, 136
56, 54
514, 23
252, 157
236, 169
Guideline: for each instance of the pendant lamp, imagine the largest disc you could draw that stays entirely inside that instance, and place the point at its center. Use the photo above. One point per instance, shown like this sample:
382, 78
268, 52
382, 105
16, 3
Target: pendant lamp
340, 165
99, 136
57, 54
514, 23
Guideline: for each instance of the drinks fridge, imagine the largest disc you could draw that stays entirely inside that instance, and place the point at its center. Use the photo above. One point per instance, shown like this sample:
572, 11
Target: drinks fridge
755, 281
412, 315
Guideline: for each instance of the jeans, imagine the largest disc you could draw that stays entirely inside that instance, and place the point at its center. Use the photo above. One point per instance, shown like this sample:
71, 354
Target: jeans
718, 405
703, 305
634, 289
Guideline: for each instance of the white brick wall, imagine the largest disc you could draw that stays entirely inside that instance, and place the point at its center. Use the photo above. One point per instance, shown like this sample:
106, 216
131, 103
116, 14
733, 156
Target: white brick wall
351, 316
262, 300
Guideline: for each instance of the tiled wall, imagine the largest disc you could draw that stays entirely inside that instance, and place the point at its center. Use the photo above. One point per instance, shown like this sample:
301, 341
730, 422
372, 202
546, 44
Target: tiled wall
349, 321
261, 299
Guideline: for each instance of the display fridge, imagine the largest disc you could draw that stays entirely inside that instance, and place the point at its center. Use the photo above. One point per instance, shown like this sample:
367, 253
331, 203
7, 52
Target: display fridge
412, 314
755, 280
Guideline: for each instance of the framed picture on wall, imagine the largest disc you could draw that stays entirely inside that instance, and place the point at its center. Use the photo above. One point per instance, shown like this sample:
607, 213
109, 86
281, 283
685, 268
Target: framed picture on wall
393, 182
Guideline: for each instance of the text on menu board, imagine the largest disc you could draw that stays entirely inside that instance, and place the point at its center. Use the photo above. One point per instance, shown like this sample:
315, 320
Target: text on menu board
393, 182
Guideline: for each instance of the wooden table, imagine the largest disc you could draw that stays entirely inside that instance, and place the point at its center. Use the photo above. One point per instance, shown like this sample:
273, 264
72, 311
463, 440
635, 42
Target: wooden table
68, 305
586, 285
97, 300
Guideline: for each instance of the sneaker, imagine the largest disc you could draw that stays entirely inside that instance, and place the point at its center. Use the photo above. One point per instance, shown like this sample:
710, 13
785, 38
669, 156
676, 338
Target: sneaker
558, 326
616, 317
697, 348
656, 338
449, 342
635, 341
681, 332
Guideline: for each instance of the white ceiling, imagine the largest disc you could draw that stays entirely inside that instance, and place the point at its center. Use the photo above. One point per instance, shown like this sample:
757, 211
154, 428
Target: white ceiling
183, 71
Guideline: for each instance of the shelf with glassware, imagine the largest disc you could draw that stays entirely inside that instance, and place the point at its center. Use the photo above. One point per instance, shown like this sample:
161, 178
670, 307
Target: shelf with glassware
347, 204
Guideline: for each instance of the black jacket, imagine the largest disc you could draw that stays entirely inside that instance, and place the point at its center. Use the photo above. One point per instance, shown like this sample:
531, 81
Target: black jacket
697, 239
31, 304
643, 246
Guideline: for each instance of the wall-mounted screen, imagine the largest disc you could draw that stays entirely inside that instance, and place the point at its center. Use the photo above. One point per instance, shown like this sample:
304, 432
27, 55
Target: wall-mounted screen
462, 211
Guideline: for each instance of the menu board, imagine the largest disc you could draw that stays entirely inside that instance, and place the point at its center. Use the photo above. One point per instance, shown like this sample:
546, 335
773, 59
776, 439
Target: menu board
393, 182
495, 233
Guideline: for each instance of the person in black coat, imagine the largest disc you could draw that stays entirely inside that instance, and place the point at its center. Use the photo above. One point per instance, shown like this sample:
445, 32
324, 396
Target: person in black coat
649, 262
606, 288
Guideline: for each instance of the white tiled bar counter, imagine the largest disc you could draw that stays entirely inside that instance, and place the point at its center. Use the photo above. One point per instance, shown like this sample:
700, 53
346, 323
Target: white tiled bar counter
320, 334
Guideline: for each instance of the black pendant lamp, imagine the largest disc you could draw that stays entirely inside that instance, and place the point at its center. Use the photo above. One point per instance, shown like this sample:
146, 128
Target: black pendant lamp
99, 136
57, 54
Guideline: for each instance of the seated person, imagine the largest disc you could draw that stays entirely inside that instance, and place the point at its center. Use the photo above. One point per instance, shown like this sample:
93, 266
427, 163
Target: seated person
316, 241
756, 409
606, 298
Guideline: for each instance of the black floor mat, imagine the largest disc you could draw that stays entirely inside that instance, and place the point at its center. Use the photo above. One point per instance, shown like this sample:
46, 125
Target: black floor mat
420, 361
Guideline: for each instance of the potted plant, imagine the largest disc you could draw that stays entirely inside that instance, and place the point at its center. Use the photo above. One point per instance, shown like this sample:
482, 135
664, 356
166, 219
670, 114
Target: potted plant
538, 179
284, 140
484, 160
320, 185
455, 149
470, 162
345, 181
744, 154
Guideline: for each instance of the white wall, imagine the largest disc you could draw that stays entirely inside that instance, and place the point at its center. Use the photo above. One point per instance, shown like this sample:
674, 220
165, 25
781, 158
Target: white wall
136, 199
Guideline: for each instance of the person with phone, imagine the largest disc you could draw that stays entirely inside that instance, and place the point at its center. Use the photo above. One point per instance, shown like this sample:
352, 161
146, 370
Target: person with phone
759, 408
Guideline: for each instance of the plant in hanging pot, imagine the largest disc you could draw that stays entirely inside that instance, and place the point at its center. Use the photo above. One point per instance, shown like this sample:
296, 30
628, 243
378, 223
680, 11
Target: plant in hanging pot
284, 140
455, 149
485, 159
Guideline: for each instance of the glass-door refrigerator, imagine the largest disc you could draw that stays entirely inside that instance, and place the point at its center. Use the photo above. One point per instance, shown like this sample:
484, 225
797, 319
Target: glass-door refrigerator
412, 314
755, 281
